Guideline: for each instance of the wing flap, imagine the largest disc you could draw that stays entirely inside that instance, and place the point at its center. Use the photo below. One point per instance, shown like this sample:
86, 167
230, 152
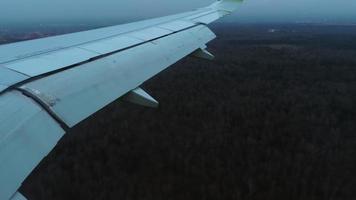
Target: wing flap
27, 135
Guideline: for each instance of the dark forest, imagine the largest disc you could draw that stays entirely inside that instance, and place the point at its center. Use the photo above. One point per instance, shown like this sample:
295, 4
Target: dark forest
272, 117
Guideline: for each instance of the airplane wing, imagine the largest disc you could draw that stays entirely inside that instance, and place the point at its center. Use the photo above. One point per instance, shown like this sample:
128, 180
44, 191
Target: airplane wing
49, 85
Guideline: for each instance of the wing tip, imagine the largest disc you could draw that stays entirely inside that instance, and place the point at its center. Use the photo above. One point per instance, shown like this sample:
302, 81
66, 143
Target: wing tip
227, 5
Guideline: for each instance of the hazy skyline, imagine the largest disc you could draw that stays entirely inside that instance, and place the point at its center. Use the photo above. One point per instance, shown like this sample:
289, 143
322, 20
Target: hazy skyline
251, 11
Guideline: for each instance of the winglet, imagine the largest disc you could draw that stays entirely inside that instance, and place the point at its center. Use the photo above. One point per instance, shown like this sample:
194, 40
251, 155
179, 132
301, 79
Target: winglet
221, 8
140, 97
227, 5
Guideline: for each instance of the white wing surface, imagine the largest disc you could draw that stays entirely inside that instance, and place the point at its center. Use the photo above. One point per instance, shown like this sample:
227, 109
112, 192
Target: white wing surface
49, 85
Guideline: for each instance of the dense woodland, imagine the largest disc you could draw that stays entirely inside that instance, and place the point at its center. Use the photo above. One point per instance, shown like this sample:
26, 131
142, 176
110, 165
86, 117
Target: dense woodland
273, 117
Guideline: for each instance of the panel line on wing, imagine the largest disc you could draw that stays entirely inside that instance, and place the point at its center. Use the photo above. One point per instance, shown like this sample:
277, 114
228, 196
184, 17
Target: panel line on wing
86, 49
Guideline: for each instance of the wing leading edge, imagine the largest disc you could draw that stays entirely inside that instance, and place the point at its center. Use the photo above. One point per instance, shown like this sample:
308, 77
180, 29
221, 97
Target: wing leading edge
49, 85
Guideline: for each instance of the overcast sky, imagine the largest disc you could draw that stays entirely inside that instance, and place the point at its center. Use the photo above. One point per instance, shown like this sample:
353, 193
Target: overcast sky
256, 11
